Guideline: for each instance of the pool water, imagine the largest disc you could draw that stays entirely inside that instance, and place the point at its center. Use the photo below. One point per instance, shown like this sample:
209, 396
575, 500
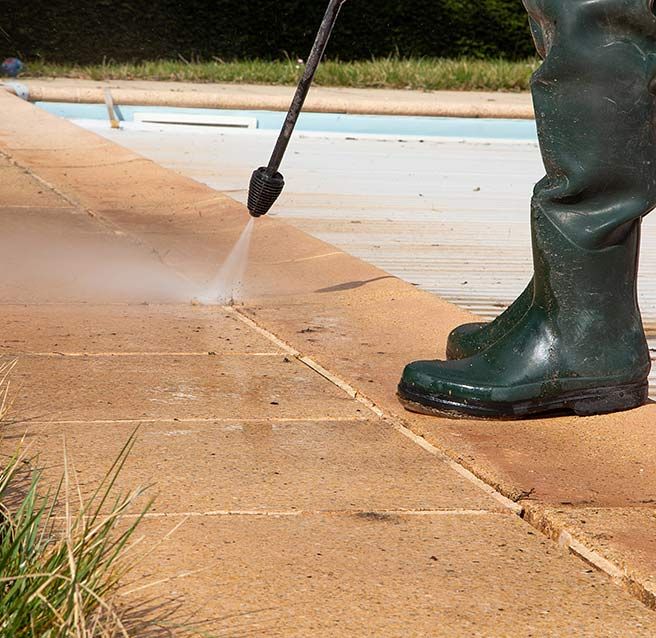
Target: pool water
370, 125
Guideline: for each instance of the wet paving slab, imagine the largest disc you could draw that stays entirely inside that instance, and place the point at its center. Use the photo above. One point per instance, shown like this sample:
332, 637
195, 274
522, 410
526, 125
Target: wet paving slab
124, 329
292, 464
56, 388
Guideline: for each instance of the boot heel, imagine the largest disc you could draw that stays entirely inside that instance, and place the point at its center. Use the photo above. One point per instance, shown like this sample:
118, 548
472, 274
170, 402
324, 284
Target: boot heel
611, 400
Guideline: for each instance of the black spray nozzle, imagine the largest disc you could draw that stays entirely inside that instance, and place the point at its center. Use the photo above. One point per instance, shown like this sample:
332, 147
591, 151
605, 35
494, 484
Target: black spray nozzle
263, 191
267, 183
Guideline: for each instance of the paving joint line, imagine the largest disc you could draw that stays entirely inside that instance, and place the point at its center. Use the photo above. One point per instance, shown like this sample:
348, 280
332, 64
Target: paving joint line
78, 355
359, 513
538, 520
173, 420
101, 165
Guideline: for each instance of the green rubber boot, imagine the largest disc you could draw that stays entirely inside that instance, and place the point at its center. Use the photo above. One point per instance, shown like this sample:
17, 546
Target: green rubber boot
580, 345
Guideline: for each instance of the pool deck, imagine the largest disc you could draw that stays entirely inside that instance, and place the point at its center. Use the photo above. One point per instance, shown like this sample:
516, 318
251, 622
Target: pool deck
278, 98
311, 504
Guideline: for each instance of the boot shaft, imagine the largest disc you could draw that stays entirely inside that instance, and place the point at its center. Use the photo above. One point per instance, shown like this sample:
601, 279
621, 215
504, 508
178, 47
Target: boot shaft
596, 114
587, 300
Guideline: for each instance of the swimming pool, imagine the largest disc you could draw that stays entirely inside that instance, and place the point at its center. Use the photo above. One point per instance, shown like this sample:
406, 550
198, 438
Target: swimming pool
329, 123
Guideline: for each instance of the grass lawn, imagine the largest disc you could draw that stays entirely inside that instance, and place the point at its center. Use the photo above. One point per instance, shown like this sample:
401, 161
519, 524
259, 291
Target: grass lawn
424, 74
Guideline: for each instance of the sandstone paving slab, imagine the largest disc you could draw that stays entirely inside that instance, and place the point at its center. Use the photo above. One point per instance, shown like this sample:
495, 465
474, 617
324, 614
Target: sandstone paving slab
20, 189
24, 127
68, 158
131, 181
166, 387
194, 242
67, 155
487, 575
58, 222
626, 536
603, 461
126, 328
256, 466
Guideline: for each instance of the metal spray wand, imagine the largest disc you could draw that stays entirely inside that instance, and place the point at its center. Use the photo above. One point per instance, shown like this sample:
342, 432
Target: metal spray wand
266, 182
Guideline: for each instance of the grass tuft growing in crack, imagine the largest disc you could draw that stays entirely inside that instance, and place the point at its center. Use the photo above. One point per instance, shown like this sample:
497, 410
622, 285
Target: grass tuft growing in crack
65, 557
62, 557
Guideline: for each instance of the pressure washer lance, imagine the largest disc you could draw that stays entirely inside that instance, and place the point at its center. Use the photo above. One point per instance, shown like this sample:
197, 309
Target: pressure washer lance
266, 182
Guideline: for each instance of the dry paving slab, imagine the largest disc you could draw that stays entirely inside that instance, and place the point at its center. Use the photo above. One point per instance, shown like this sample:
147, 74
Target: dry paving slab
401, 557
451, 575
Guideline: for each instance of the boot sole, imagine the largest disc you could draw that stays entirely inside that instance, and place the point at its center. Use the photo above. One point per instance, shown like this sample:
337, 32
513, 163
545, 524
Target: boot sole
581, 402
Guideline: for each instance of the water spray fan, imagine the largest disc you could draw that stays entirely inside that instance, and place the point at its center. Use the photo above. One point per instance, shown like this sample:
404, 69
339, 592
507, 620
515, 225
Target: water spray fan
266, 182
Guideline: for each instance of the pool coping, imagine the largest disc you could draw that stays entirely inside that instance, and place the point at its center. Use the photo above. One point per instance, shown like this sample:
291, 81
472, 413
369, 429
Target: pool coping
350, 321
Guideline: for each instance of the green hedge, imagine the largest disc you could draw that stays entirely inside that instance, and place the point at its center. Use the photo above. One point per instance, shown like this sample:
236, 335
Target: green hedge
122, 31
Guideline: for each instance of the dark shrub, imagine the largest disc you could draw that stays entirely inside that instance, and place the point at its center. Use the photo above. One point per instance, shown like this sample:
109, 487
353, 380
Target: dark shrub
121, 31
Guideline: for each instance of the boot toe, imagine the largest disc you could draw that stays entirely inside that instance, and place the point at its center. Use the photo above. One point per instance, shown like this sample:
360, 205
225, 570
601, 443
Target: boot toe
441, 378
441, 388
